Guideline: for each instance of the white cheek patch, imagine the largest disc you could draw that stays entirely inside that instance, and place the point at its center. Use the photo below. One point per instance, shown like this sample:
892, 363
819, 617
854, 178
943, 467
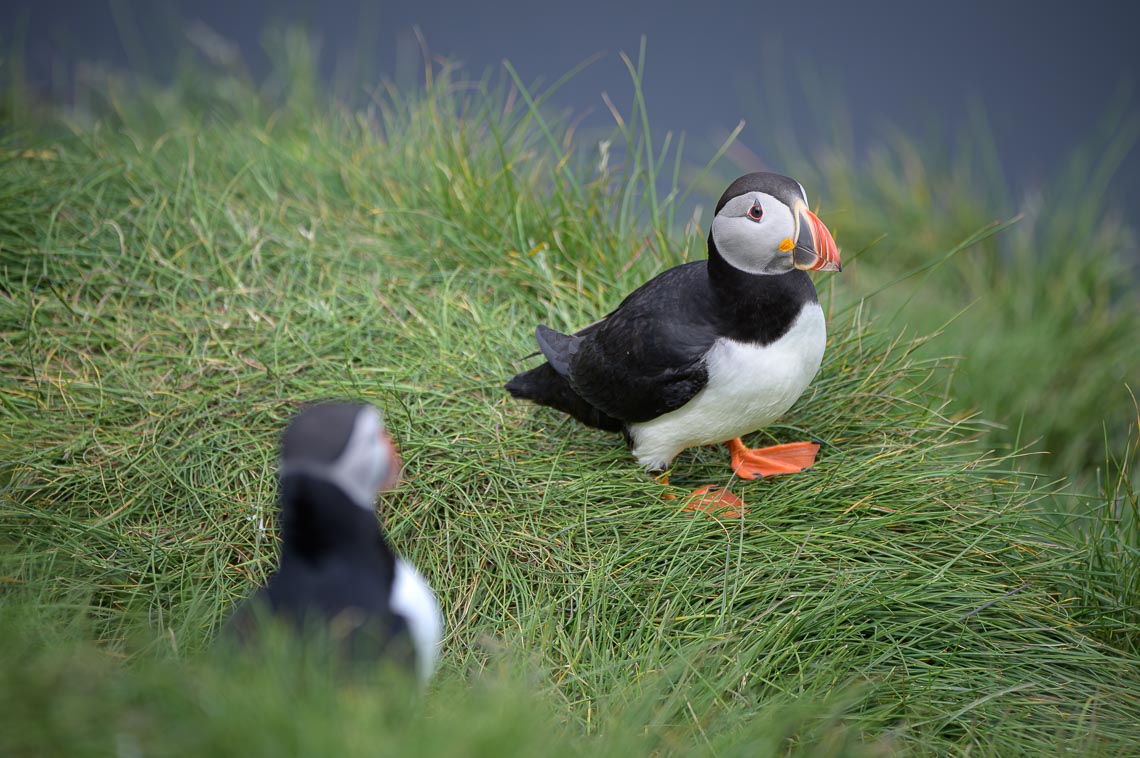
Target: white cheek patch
363, 466
754, 246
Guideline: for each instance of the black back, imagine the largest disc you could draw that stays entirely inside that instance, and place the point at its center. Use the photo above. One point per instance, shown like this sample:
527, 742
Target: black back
647, 357
335, 576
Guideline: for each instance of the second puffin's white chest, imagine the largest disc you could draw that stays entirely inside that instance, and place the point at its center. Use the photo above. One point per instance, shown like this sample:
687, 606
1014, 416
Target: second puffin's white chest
413, 599
749, 386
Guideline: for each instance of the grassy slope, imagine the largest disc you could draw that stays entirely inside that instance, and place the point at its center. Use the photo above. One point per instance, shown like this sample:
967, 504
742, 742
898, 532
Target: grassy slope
175, 283
1042, 318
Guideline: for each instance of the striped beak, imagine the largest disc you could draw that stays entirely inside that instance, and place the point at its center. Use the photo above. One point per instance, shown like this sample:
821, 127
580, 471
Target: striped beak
815, 248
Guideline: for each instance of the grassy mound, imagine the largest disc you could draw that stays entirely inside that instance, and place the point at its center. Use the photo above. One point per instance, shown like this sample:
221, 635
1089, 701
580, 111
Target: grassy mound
179, 274
1041, 319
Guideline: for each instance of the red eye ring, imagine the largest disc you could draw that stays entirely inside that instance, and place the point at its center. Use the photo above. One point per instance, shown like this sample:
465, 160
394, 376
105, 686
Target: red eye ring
756, 212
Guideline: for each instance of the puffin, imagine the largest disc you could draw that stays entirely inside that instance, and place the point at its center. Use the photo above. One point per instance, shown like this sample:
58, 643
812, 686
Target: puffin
337, 573
707, 351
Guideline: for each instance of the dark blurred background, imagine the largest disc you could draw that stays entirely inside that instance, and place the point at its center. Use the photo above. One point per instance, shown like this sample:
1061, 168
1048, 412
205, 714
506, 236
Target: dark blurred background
1044, 74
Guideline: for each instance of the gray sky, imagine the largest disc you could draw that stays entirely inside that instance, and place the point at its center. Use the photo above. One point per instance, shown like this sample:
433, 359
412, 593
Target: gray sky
1045, 72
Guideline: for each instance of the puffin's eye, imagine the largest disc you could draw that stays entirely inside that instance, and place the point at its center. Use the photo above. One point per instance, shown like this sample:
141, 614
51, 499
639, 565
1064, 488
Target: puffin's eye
756, 212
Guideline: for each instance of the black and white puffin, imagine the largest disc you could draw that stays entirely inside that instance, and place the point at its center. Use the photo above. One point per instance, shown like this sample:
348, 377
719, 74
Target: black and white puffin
710, 350
337, 570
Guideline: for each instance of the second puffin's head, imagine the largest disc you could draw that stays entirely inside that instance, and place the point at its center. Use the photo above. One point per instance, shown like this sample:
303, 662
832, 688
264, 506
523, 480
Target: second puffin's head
763, 225
344, 444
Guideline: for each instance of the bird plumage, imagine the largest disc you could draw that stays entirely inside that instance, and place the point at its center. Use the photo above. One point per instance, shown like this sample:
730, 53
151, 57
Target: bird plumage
652, 356
336, 573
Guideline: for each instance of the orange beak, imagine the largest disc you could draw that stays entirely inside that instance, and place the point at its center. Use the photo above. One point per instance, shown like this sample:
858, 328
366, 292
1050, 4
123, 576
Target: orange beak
815, 248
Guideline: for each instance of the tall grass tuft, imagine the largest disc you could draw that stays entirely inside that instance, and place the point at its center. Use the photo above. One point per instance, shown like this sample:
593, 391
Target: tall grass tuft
1041, 318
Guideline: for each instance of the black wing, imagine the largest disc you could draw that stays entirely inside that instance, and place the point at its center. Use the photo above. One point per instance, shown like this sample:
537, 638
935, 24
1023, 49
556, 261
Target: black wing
647, 357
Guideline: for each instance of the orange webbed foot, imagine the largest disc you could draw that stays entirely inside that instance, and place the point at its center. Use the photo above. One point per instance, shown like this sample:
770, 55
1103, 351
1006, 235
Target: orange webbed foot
791, 458
710, 498
716, 501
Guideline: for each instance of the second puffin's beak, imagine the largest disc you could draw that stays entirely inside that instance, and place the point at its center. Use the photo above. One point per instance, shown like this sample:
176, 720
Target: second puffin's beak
815, 248
392, 476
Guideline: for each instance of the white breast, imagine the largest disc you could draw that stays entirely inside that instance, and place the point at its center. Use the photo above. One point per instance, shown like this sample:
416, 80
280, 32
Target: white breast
749, 387
413, 599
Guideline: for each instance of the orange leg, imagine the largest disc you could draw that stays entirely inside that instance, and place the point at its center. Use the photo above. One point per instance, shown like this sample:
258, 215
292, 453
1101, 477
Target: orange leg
791, 458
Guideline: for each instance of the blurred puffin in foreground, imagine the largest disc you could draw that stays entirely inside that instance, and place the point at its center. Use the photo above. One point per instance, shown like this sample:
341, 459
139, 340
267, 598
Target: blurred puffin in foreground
710, 350
337, 574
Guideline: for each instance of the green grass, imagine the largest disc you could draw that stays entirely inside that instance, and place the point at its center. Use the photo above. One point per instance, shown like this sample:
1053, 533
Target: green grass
1042, 319
180, 272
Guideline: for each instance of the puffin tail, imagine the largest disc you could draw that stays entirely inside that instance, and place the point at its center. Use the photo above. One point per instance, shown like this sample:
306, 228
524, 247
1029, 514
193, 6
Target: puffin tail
556, 347
547, 384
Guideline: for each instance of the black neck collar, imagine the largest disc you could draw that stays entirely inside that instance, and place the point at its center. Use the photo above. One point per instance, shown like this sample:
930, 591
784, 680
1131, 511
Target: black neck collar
758, 308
